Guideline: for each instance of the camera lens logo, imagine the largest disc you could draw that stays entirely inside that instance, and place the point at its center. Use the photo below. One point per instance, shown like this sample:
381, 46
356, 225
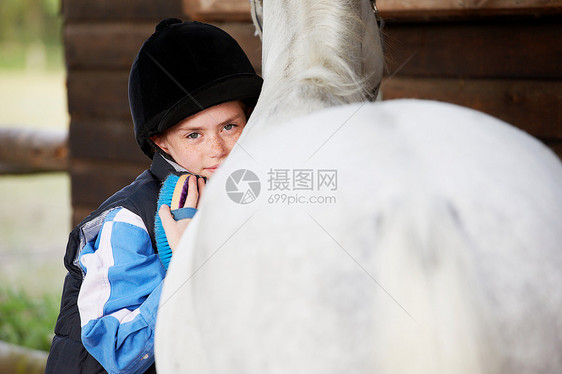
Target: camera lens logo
243, 186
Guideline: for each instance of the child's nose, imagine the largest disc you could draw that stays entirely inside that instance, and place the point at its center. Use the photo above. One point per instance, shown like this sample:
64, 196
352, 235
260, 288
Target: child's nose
218, 147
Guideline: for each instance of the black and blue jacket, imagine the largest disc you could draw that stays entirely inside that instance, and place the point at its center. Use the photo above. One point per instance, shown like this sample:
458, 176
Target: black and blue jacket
112, 289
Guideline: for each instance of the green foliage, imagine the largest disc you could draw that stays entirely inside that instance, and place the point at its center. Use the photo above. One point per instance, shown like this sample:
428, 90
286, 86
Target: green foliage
27, 321
29, 28
27, 21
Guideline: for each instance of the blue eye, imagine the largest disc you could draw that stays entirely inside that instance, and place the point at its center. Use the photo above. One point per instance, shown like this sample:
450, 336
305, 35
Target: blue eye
193, 135
229, 127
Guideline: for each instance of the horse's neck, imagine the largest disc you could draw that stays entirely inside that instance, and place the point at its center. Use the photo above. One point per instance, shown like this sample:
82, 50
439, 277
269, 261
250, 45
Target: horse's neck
316, 53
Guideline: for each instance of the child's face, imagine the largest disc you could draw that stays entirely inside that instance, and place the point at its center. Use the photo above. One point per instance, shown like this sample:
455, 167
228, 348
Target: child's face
201, 142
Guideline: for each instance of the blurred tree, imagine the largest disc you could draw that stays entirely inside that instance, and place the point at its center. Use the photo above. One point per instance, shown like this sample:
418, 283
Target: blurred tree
29, 21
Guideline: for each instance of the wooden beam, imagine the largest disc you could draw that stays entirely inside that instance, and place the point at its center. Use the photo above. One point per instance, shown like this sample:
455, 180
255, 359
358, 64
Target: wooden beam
98, 94
394, 10
403, 10
451, 49
27, 151
109, 45
510, 50
218, 10
89, 135
16, 359
94, 181
112, 10
93, 45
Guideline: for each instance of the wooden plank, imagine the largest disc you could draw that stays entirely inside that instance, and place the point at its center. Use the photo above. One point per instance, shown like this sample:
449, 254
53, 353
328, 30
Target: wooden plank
480, 50
26, 151
396, 5
533, 106
111, 46
469, 50
18, 359
408, 10
112, 10
104, 139
98, 94
393, 10
93, 182
218, 10
104, 45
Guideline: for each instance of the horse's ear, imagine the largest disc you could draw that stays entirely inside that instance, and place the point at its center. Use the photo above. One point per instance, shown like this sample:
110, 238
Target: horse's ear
257, 15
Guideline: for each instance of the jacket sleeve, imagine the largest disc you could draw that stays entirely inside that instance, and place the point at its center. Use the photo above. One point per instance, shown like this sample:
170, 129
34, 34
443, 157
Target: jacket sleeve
120, 293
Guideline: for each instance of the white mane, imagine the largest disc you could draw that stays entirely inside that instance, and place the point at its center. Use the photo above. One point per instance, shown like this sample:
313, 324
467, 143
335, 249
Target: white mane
331, 56
326, 65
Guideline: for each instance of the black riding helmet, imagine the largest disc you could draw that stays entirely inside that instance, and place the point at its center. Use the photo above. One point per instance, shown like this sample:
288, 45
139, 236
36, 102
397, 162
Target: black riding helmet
181, 69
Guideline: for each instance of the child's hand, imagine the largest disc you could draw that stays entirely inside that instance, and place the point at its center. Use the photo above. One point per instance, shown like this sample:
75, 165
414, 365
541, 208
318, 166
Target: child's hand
174, 229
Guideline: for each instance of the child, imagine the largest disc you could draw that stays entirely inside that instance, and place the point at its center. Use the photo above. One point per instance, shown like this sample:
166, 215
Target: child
191, 89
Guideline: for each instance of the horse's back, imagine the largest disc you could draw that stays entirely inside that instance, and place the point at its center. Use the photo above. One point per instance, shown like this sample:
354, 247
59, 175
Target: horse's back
437, 250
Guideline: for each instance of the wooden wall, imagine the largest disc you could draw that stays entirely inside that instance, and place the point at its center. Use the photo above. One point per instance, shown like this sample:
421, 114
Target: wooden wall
499, 56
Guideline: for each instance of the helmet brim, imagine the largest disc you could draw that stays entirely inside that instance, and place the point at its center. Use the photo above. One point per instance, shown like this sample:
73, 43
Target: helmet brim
245, 87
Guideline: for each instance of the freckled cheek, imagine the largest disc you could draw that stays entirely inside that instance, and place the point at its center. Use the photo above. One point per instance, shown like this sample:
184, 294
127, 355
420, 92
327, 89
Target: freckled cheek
230, 143
207, 150
191, 153
234, 137
197, 151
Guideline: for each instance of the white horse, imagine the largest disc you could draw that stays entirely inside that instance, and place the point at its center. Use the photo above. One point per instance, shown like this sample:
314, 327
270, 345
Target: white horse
438, 250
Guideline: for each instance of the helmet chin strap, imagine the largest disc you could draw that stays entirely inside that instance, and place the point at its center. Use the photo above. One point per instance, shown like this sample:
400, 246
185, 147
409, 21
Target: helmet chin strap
375, 9
178, 168
380, 21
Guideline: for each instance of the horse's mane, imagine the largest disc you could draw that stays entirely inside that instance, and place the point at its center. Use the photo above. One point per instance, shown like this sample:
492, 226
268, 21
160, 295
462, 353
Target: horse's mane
329, 28
316, 54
